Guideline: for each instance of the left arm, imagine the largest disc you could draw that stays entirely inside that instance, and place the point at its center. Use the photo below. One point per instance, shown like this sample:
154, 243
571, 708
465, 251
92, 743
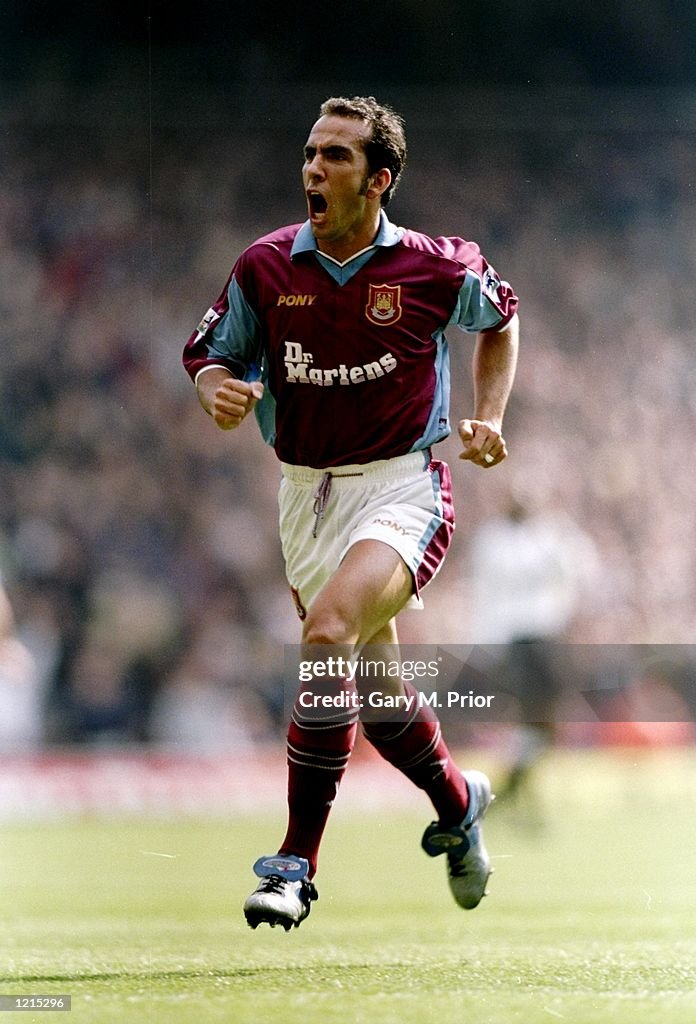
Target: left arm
494, 363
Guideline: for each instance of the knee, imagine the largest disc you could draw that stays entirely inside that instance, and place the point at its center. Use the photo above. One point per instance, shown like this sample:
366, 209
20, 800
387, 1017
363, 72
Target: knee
326, 626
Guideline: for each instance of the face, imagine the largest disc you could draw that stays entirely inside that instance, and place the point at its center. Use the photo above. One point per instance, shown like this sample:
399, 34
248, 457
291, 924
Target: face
342, 197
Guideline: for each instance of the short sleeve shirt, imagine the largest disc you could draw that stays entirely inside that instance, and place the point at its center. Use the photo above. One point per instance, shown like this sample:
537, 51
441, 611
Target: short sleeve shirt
354, 356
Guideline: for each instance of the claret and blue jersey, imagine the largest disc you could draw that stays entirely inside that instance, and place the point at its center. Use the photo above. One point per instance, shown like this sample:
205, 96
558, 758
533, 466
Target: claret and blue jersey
353, 355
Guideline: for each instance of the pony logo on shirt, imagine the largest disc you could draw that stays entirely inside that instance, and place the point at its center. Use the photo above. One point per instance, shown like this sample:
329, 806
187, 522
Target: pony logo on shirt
384, 304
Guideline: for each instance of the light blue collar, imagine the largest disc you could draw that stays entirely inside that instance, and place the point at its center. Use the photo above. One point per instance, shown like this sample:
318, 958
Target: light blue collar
387, 235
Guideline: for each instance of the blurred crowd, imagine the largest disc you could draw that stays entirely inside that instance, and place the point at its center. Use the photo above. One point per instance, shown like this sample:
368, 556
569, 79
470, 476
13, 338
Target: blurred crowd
138, 545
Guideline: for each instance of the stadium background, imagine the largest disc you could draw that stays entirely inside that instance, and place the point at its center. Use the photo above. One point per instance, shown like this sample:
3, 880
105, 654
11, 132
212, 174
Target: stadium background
140, 154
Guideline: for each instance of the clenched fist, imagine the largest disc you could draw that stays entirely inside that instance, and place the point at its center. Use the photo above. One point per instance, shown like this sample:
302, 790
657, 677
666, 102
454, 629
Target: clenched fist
233, 400
483, 444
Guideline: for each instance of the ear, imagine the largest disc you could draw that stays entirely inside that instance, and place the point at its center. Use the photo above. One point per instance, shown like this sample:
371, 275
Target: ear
378, 183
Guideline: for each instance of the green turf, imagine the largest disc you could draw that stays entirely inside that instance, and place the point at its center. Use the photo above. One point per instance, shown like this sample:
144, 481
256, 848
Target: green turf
592, 917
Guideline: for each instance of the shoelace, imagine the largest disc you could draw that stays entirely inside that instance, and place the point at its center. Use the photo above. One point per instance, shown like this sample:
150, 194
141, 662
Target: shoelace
273, 884
457, 868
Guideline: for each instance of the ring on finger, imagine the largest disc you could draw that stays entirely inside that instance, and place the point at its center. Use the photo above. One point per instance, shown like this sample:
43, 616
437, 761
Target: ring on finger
488, 458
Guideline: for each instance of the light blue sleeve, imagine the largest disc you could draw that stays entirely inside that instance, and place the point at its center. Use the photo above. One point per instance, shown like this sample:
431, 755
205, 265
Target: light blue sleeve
237, 335
236, 338
476, 309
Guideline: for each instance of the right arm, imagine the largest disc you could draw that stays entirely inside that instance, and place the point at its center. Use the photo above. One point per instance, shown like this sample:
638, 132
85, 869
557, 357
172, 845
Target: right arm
225, 398
222, 351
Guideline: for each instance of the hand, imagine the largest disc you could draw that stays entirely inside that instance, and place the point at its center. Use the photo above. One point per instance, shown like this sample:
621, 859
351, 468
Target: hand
233, 401
483, 443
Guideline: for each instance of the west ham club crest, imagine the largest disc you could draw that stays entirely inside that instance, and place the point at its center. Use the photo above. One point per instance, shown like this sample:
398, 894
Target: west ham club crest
384, 304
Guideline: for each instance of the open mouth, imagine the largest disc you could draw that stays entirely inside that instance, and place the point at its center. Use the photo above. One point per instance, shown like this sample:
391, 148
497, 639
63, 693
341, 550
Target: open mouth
317, 204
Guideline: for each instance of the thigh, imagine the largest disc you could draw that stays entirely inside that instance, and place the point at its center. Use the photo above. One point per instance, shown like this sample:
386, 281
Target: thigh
362, 597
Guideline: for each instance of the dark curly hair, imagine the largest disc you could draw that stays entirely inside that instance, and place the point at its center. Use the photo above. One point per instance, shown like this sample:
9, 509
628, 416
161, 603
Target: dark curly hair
386, 146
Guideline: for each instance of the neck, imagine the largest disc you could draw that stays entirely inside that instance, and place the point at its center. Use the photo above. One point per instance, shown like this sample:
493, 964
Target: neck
348, 245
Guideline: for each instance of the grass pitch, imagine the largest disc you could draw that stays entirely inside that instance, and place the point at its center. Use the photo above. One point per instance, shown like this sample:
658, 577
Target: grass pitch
591, 919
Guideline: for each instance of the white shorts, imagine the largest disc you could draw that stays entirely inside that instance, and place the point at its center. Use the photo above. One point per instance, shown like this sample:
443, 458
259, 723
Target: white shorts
405, 502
